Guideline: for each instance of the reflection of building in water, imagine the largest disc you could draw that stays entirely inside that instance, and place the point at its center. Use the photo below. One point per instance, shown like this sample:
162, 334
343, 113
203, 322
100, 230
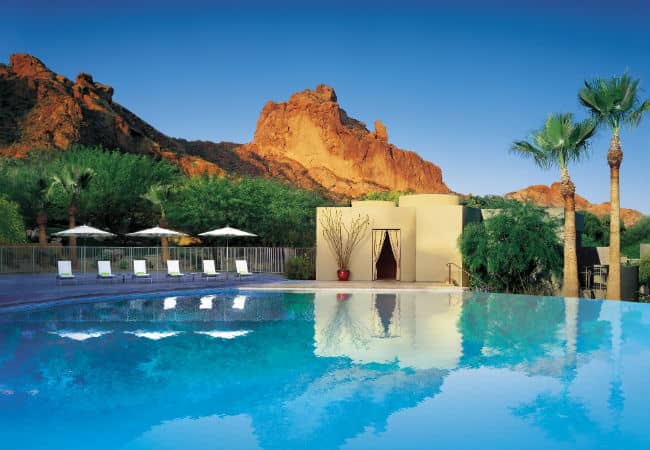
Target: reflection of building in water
422, 334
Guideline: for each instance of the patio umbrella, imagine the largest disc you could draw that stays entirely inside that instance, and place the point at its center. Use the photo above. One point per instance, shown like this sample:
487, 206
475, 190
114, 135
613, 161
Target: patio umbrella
227, 232
158, 232
84, 231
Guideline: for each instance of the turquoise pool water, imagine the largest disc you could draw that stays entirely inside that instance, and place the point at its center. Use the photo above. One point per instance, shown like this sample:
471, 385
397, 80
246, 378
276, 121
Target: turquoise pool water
239, 370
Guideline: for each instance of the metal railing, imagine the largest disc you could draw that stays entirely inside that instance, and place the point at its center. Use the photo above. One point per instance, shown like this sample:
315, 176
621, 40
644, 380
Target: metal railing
35, 259
480, 286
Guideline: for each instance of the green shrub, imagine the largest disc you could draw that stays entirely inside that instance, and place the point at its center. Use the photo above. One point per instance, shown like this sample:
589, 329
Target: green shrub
300, 268
644, 271
12, 227
515, 251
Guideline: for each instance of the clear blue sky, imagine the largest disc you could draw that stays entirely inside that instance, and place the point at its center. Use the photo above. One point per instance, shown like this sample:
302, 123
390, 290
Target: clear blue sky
455, 81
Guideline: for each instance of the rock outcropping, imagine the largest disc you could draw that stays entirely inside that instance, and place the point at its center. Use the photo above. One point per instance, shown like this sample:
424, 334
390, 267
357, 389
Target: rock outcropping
308, 141
312, 134
550, 196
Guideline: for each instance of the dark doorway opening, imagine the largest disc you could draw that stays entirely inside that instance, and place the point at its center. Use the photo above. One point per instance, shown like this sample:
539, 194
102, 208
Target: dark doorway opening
386, 264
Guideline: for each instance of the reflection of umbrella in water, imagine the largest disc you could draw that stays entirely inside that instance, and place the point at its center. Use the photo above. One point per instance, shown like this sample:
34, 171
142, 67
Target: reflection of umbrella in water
385, 305
84, 231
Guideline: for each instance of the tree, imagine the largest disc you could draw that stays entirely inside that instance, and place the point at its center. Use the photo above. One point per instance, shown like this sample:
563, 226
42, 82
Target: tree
158, 196
614, 102
72, 180
389, 196
632, 237
515, 251
278, 213
558, 143
43, 202
12, 227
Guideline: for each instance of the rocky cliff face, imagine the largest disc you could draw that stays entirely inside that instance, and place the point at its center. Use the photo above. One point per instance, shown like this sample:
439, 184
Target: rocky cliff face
309, 141
40, 109
550, 196
337, 151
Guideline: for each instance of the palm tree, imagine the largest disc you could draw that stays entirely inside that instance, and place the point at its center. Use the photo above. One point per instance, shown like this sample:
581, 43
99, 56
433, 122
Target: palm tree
43, 201
558, 143
158, 195
614, 102
73, 180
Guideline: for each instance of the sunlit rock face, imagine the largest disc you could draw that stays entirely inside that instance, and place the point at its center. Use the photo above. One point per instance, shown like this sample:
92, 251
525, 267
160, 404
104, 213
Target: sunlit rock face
315, 136
550, 196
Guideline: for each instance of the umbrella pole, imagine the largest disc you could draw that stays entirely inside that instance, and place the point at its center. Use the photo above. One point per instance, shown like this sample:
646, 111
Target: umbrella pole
227, 261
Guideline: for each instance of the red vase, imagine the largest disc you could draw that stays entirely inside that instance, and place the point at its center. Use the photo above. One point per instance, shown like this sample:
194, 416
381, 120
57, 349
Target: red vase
343, 274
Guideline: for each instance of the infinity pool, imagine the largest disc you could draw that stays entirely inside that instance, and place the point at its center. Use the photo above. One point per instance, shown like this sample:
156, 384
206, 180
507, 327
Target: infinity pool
238, 370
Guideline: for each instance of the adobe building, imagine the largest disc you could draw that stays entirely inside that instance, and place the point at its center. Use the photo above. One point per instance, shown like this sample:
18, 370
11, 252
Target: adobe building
412, 241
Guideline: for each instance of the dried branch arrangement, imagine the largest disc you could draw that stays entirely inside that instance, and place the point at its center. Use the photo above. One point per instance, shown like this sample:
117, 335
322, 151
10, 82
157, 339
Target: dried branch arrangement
343, 238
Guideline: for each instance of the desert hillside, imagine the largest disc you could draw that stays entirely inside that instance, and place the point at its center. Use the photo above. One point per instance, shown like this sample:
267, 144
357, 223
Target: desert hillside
550, 196
308, 141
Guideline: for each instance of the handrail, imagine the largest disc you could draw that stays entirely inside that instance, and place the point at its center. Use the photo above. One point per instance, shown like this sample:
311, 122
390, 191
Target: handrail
449, 265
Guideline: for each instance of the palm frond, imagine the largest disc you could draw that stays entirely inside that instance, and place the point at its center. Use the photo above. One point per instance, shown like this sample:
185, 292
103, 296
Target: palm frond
638, 113
528, 150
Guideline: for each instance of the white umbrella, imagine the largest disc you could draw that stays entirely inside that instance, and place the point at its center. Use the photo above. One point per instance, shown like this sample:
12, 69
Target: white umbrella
227, 232
158, 232
84, 231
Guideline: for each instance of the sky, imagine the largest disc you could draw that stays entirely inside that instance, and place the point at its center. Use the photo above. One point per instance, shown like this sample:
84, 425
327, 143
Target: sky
455, 81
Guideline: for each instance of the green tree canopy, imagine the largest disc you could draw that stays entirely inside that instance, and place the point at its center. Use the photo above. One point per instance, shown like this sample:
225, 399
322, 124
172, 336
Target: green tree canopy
12, 227
632, 237
279, 214
516, 251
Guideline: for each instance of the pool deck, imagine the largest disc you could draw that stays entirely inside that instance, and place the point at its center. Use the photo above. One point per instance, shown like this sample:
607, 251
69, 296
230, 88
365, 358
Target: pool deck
22, 289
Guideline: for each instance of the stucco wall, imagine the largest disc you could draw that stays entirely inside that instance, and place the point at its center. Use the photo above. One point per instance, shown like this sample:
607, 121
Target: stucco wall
430, 225
382, 215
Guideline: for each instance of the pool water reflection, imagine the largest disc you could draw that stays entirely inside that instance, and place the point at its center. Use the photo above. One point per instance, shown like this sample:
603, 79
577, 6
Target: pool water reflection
327, 371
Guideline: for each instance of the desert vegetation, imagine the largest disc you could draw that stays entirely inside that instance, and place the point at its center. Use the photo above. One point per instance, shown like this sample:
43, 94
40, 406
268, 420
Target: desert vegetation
125, 192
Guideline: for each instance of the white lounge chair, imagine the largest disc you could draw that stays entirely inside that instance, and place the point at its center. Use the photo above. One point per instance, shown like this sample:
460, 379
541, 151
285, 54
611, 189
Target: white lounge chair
209, 270
173, 269
242, 268
65, 272
104, 271
140, 270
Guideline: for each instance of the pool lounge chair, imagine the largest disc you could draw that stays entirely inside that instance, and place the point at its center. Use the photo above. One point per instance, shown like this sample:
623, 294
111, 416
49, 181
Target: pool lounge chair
104, 271
173, 270
242, 268
65, 272
140, 271
209, 270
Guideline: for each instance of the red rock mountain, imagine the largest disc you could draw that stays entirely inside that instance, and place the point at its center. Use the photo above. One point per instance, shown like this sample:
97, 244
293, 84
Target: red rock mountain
550, 196
309, 140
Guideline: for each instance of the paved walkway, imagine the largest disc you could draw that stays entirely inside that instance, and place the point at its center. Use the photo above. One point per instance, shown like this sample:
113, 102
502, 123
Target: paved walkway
39, 288
383, 285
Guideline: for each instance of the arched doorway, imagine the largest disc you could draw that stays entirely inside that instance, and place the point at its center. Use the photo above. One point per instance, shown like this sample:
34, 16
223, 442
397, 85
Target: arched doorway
386, 264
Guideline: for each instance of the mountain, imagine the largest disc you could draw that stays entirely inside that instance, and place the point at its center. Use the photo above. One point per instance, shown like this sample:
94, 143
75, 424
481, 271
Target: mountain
550, 196
308, 141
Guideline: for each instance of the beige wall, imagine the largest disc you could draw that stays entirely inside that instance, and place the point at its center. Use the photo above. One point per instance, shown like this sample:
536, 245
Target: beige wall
430, 225
382, 215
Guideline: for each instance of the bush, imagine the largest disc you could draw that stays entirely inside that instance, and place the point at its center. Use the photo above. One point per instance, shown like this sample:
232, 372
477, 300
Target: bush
516, 251
300, 268
644, 271
12, 227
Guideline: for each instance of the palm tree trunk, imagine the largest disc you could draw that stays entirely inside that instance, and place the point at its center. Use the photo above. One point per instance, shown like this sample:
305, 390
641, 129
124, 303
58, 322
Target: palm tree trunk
41, 220
614, 158
164, 242
72, 240
570, 285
